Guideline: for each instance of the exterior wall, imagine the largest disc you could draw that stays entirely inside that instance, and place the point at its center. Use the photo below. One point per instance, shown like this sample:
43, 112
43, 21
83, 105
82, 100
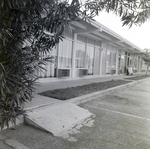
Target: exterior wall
78, 55
62, 58
136, 63
87, 56
122, 62
51, 66
64, 55
104, 54
143, 66
109, 59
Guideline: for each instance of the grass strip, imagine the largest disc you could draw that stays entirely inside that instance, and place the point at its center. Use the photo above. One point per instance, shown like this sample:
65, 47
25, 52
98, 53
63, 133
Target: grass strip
72, 92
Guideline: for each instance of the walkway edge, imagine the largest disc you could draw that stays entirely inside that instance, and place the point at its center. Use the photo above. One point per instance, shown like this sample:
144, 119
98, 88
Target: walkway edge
84, 98
91, 96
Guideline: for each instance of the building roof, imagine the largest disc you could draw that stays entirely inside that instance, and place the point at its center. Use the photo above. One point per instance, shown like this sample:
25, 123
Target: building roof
100, 32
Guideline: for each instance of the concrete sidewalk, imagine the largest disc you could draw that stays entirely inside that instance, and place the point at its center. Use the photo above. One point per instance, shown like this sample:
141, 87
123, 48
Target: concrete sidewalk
57, 83
57, 116
122, 121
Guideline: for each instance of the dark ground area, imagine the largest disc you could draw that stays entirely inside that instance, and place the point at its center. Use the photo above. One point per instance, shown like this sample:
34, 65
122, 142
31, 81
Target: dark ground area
138, 77
72, 92
122, 121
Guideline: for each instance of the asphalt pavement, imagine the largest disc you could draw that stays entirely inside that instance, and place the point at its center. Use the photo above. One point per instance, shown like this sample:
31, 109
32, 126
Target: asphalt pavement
121, 121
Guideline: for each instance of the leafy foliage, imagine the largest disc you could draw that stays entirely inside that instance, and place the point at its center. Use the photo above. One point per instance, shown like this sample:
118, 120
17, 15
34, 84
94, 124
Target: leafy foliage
131, 11
31, 28
28, 29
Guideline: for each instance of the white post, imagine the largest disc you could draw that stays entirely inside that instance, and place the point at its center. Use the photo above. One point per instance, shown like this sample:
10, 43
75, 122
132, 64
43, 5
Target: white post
139, 64
58, 53
101, 56
117, 62
74, 55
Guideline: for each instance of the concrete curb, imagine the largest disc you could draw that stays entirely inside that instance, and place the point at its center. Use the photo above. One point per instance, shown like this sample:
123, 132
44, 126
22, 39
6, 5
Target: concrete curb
19, 121
10, 143
15, 144
43, 105
91, 96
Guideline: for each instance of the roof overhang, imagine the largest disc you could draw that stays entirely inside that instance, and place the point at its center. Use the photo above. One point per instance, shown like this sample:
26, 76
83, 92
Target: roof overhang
100, 32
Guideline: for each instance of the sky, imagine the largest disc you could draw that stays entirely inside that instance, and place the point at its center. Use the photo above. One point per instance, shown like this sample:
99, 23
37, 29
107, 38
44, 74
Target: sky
140, 36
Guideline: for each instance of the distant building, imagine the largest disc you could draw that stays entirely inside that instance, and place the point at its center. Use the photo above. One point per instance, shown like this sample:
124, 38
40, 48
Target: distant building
90, 48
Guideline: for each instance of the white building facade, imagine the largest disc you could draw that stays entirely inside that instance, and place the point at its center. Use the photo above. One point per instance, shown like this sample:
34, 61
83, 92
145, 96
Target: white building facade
90, 48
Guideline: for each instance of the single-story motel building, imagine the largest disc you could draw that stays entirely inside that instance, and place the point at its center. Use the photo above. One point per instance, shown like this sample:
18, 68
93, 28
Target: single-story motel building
90, 48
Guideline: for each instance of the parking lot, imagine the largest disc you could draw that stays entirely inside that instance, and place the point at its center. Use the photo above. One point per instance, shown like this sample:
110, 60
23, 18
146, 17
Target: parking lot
121, 121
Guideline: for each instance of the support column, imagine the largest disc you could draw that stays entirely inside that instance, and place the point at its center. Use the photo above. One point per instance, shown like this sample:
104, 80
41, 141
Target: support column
74, 55
101, 58
58, 53
140, 64
117, 62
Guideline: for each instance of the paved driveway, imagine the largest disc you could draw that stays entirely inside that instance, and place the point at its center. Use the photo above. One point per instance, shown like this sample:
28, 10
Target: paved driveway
122, 121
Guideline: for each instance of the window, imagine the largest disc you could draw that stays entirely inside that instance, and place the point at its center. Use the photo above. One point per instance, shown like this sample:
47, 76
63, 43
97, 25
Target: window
80, 55
90, 59
65, 54
50, 66
108, 62
113, 66
54, 55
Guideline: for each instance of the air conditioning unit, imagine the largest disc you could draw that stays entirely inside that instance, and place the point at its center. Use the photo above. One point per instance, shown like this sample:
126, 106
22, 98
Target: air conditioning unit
63, 73
119, 71
83, 72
